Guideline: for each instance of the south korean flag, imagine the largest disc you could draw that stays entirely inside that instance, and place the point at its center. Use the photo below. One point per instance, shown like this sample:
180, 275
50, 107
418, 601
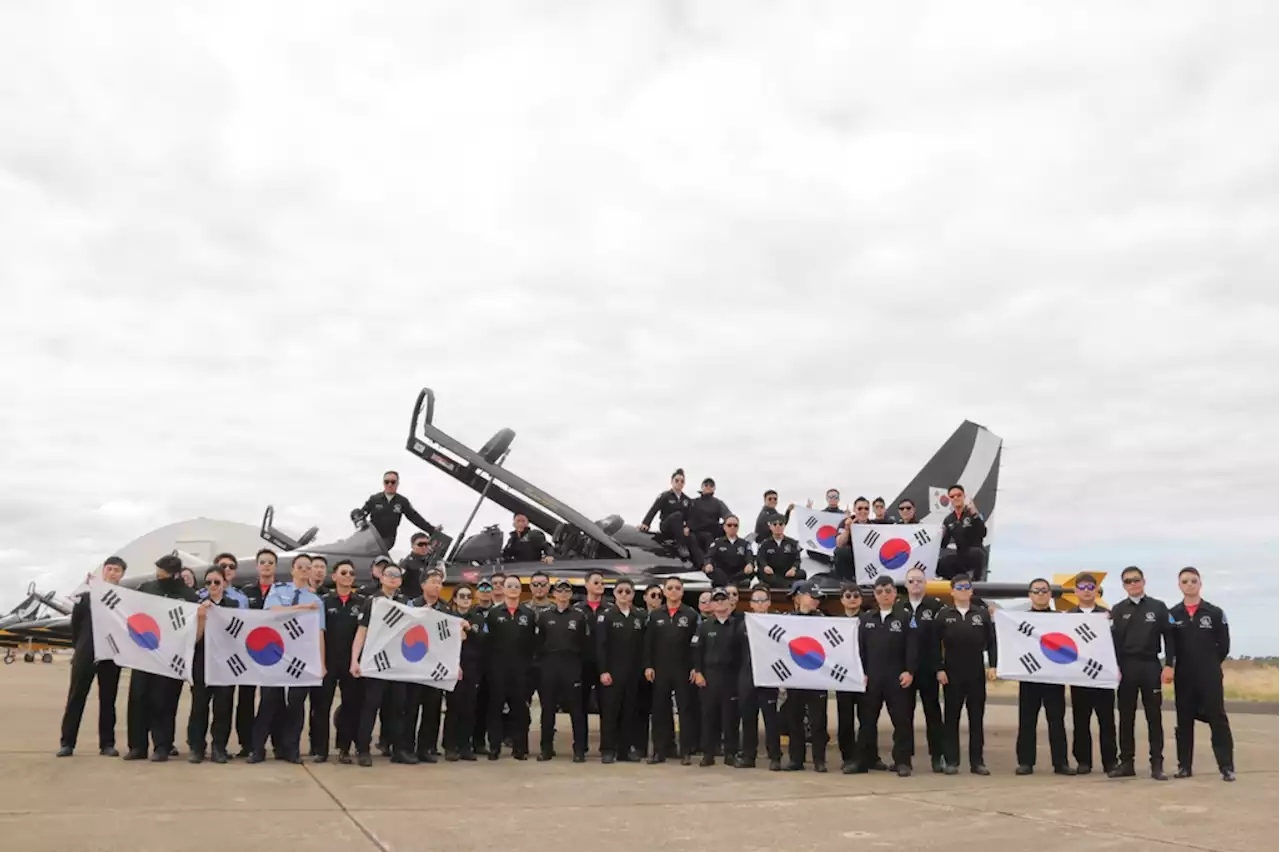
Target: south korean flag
805, 652
263, 647
892, 550
816, 531
414, 644
1074, 648
143, 632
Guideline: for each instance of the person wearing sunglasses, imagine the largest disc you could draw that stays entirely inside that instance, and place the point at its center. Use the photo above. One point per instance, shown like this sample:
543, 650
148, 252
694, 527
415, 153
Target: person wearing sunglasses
1202, 641
715, 672
526, 544
385, 509
965, 529
653, 599
672, 509
889, 642
379, 698
564, 634
770, 509
414, 567
1139, 625
778, 557
540, 592
342, 609
925, 687
729, 558
668, 666
907, 512
619, 642
420, 699
1087, 701
202, 696
463, 702
1033, 696
706, 517
964, 632
754, 701
847, 702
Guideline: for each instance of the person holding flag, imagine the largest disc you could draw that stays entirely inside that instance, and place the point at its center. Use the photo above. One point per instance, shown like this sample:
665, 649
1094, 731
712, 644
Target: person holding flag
1032, 696
84, 669
420, 698
203, 695
963, 631
889, 646
755, 700
1202, 641
380, 696
810, 703
1089, 701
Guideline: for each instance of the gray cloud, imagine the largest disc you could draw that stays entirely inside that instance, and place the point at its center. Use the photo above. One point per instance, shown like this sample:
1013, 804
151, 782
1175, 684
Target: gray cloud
790, 246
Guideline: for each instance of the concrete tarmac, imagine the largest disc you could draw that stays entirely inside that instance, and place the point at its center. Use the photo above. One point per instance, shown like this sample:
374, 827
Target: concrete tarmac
88, 802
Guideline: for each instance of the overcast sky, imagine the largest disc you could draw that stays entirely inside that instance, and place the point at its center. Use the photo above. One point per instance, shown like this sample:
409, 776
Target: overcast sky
789, 245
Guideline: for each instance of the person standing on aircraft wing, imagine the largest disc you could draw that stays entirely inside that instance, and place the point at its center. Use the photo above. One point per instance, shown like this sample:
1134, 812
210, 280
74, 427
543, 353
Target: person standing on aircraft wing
1087, 700
756, 700
1139, 625
385, 509
889, 644
778, 557
1201, 641
672, 506
564, 634
924, 610
964, 527
84, 670
1032, 696
729, 558
962, 632
385, 697
668, 666
342, 610
619, 641
706, 517
770, 509
807, 702
715, 672
203, 695
526, 544
513, 633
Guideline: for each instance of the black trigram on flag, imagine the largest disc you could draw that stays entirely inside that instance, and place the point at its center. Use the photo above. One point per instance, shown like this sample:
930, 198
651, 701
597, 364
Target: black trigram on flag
921, 566
381, 662
439, 672
1092, 668
293, 628
1026, 629
111, 642
110, 599
776, 632
234, 627
811, 522
1030, 663
922, 537
871, 539
177, 618
833, 636
1085, 632
839, 673
442, 630
870, 570
780, 669
296, 668
178, 665
236, 665
392, 618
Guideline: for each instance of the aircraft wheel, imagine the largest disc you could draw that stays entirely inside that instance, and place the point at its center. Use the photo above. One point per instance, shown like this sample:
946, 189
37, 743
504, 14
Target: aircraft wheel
9, 657
46, 657
28, 657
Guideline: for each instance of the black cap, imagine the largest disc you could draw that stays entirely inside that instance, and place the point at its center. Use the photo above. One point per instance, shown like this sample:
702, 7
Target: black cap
433, 572
805, 587
383, 560
709, 481
485, 584
563, 584
719, 595
170, 564
777, 519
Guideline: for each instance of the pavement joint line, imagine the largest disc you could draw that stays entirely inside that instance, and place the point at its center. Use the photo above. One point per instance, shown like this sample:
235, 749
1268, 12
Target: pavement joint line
342, 807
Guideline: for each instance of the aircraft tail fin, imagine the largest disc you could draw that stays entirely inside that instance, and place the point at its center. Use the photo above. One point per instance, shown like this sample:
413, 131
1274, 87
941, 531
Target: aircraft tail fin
970, 457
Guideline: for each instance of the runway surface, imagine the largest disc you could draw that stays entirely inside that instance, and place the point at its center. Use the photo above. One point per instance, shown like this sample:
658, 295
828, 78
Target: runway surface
88, 802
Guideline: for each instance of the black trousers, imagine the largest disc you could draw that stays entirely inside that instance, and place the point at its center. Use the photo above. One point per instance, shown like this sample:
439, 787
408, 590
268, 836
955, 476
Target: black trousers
592, 692
811, 703
1199, 696
667, 682
561, 686
1140, 676
964, 691
508, 688
204, 697
153, 704
846, 725
886, 692
345, 721
926, 687
644, 707
245, 713
423, 710
753, 702
481, 726
1085, 702
462, 709
720, 711
622, 716
83, 672
970, 560
385, 697
281, 714
672, 527
1053, 698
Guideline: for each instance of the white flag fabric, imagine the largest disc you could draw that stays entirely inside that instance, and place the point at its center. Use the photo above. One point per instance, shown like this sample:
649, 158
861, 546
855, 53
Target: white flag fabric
817, 531
894, 549
262, 647
414, 644
805, 652
1075, 649
144, 632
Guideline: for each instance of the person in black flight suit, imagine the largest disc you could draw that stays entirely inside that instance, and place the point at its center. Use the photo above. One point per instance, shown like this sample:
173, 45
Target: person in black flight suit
84, 670
414, 567
153, 699
1201, 641
342, 611
202, 695
564, 633
729, 558
1052, 696
770, 509
672, 506
925, 685
962, 632
463, 705
374, 586
812, 702
755, 700
888, 643
385, 510
964, 527
526, 544
778, 557
619, 639
715, 672
1088, 700
1138, 625
420, 696
847, 702
668, 665
706, 516
385, 697
512, 630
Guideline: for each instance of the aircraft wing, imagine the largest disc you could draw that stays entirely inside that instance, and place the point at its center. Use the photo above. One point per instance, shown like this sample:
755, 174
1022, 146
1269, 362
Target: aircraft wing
54, 631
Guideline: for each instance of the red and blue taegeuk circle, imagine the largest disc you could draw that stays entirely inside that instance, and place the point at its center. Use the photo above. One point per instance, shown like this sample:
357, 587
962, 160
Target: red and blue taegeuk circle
264, 645
807, 652
413, 645
894, 553
826, 535
144, 631
1059, 648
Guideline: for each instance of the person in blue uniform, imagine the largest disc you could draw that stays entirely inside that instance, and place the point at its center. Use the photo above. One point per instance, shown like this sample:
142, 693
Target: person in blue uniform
84, 670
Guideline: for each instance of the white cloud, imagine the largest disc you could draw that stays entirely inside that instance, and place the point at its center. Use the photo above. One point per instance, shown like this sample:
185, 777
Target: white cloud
237, 242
